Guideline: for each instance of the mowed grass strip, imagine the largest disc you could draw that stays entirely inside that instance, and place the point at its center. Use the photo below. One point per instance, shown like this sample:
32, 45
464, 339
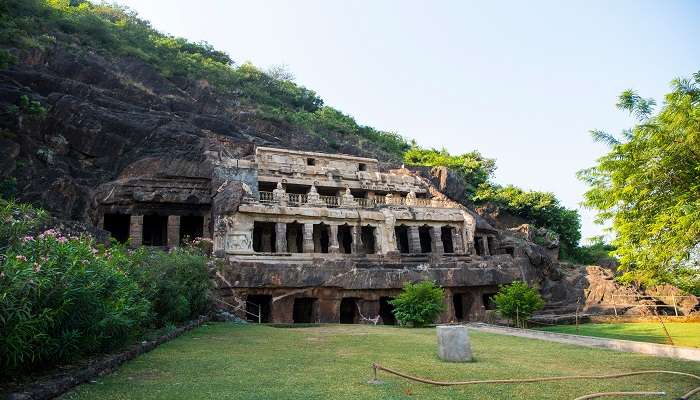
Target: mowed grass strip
683, 333
227, 361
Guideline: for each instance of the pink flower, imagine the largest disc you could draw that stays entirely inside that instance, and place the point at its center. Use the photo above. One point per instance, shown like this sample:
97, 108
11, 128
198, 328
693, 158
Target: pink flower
21, 258
37, 267
27, 239
62, 239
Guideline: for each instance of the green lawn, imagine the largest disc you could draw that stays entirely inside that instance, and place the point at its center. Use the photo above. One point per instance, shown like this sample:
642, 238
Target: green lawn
683, 334
226, 361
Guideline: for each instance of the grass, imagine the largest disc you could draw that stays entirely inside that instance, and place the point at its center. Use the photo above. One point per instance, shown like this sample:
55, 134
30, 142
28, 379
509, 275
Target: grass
683, 334
227, 361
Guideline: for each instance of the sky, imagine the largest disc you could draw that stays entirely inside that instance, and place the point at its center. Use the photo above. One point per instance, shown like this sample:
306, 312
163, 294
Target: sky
521, 82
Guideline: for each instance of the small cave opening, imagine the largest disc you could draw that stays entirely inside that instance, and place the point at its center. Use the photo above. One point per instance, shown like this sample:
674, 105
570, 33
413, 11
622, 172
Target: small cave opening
321, 238
155, 230
118, 225
386, 311
191, 227
263, 237
295, 237
446, 237
426, 242
349, 313
303, 312
402, 239
345, 238
368, 239
259, 304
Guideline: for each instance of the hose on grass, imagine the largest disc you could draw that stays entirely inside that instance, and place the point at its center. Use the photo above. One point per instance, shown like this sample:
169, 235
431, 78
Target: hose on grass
378, 367
613, 394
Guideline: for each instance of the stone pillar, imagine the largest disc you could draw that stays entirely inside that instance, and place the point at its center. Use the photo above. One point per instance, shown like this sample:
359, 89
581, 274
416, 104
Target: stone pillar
136, 230
308, 232
206, 226
333, 245
436, 243
173, 231
453, 343
356, 246
413, 239
281, 237
485, 245
457, 242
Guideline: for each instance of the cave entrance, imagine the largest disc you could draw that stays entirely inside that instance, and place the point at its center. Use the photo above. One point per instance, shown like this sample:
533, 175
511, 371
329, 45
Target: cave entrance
295, 238
264, 237
426, 242
489, 303
321, 238
191, 227
155, 230
261, 303
446, 236
386, 311
458, 303
345, 238
368, 239
349, 313
304, 310
479, 246
402, 239
118, 225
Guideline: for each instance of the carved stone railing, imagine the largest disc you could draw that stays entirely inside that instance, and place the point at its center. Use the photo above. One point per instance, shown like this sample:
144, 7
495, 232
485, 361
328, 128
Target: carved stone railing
297, 200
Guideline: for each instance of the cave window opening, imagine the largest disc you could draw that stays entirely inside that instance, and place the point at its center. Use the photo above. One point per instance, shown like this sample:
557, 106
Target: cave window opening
425, 239
261, 303
155, 230
295, 238
264, 237
349, 313
489, 302
191, 227
118, 225
303, 312
310, 161
492, 244
458, 303
402, 239
368, 239
386, 311
362, 167
345, 238
321, 238
446, 236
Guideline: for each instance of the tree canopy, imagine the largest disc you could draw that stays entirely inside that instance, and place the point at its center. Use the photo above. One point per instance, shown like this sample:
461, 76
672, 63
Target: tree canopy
648, 186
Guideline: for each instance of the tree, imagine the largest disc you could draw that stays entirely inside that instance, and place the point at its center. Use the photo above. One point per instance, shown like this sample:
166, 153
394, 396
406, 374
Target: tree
648, 185
517, 301
418, 304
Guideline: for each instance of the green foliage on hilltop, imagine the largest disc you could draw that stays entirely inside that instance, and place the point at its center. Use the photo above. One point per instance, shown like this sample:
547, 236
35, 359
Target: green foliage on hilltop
473, 168
648, 186
540, 208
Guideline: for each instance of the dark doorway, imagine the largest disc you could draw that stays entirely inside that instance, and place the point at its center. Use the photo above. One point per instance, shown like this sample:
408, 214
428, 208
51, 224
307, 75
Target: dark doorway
458, 303
386, 311
489, 303
264, 302
402, 239
304, 310
321, 235
295, 238
446, 236
118, 226
479, 246
345, 239
191, 227
425, 239
264, 237
349, 313
491, 242
368, 242
155, 230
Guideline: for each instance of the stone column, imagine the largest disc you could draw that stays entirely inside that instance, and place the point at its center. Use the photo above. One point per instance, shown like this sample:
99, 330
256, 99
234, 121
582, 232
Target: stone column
356, 247
281, 237
413, 239
136, 230
436, 243
206, 226
308, 233
457, 242
485, 245
174, 231
333, 245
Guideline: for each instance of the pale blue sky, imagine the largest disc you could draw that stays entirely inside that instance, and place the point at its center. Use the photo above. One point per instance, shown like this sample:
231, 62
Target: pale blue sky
522, 82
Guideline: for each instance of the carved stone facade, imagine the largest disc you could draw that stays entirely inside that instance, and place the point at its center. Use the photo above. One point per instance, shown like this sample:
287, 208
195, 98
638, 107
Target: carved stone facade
313, 237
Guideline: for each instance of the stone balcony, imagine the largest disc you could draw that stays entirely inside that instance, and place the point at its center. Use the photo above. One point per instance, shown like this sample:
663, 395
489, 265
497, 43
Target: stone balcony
348, 201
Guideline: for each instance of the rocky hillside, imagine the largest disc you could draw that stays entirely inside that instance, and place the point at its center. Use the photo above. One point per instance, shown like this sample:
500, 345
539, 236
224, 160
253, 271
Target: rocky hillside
75, 112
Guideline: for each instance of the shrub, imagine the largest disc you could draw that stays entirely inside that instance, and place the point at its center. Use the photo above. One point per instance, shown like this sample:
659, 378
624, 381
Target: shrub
176, 283
418, 304
16, 221
63, 298
518, 301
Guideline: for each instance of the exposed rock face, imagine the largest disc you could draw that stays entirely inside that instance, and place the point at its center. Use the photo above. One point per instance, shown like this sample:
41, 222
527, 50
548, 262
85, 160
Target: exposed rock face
106, 116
